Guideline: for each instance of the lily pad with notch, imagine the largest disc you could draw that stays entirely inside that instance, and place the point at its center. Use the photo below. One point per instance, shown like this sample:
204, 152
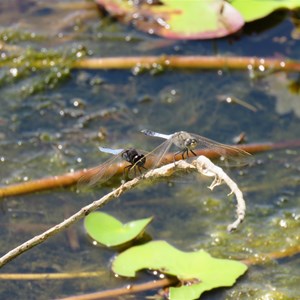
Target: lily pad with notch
108, 231
197, 271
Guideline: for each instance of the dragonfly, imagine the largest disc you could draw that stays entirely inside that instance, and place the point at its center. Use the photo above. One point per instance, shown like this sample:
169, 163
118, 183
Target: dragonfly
189, 143
109, 168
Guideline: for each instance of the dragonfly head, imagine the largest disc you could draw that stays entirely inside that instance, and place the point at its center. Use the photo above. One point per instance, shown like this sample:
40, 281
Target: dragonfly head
191, 143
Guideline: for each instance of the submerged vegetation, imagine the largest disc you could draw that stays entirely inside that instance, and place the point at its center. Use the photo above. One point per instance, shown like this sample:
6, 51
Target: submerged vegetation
73, 79
45, 67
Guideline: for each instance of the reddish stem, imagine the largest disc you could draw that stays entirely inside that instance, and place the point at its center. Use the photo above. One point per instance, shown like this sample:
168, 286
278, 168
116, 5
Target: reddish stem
193, 62
166, 282
69, 179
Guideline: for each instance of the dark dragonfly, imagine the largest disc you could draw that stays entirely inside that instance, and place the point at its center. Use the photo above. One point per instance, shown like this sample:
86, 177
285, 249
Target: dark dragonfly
188, 143
109, 168
136, 160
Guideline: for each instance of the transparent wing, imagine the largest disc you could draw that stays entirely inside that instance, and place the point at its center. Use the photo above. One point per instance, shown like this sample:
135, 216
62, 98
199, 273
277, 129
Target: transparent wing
101, 173
156, 134
111, 151
159, 156
227, 155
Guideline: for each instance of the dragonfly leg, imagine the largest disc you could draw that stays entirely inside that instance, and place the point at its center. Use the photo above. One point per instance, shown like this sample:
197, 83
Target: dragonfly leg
174, 157
193, 152
126, 171
182, 152
186, 150
140, 169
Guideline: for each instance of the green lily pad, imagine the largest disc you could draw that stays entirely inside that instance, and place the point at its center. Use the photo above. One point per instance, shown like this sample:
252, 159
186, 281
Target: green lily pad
255, 9
175, 19
110, 232
197, 271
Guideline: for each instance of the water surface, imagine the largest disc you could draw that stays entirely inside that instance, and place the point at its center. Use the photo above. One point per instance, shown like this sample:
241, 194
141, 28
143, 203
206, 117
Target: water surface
49, 126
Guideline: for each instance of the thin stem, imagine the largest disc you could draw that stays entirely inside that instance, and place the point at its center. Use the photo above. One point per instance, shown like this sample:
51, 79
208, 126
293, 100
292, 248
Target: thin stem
178, 62
200, 164
51, 276
69, 179
262, 258
66, 223
192, 62
129, 289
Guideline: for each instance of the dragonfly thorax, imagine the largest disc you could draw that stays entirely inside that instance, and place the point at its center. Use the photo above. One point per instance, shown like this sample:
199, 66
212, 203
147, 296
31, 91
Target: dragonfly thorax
140, 160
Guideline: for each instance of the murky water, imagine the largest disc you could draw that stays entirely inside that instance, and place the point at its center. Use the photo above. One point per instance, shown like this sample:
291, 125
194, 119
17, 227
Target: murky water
53, 120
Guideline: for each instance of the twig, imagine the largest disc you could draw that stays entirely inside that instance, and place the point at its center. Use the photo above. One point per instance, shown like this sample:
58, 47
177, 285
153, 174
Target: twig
254, 260
193, 62
69, 179
129, 289
207, 168
135, 288
262, 258
51, 276
202, 164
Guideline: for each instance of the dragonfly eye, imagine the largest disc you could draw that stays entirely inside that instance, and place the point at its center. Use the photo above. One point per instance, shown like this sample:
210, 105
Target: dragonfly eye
125, 155
191, 143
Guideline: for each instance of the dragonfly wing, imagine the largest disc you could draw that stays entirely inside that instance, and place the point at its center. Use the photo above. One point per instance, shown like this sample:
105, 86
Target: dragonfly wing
156, 134
159, 156
100, 173
111, 151
229, 155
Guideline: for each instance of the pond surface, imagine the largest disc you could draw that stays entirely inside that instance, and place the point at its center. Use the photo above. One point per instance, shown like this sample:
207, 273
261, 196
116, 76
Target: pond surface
53, 121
